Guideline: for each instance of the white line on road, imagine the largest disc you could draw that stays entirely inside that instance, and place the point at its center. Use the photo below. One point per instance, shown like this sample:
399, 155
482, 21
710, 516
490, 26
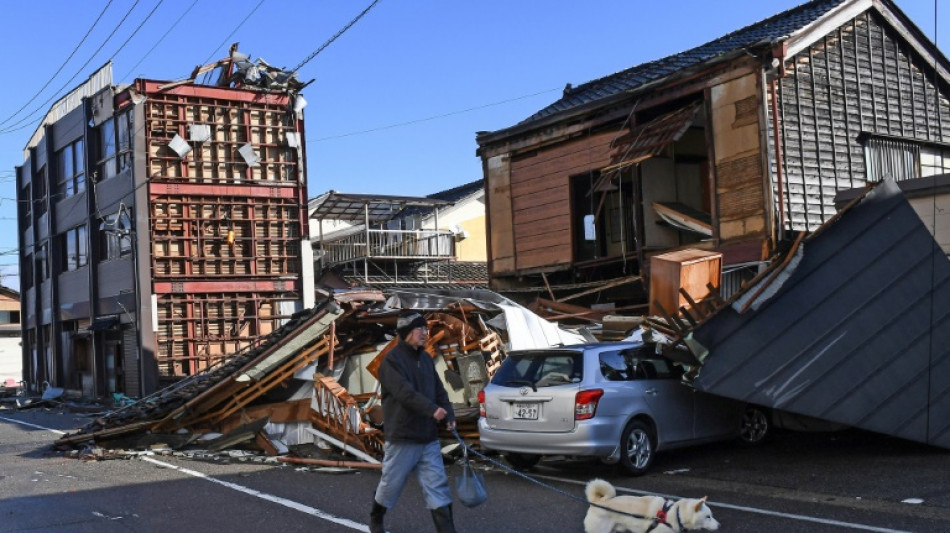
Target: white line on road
264, 496
234, 486
802, 518
22, 423
361, 527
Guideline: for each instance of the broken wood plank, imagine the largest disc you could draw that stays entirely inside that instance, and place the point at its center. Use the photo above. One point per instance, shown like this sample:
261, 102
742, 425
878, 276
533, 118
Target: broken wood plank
607, 285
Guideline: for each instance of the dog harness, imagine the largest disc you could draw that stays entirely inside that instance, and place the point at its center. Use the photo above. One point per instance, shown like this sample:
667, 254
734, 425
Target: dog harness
660, 517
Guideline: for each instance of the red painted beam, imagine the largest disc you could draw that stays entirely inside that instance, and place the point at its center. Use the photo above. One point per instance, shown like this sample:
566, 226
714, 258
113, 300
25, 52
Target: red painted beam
291, 191
195, 287
151, 87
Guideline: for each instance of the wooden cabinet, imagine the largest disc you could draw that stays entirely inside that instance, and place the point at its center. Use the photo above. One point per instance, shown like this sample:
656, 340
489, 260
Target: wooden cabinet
689, 269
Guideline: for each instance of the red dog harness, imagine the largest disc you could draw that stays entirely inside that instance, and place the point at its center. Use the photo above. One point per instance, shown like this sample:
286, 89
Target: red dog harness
660, 517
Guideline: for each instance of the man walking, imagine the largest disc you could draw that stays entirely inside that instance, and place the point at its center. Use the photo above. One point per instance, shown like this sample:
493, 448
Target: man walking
414, 403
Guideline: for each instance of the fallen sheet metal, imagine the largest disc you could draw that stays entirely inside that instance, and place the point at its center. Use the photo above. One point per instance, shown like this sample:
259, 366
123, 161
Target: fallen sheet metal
854, 327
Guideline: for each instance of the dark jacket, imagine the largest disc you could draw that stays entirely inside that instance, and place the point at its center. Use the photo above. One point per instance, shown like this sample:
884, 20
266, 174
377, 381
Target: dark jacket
412, 392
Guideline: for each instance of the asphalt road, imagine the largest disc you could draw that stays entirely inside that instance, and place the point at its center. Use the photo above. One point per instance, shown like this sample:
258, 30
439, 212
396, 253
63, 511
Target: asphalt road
821, 482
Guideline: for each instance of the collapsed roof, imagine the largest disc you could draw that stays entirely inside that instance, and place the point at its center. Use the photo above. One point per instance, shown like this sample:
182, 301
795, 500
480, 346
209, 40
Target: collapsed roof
852, 327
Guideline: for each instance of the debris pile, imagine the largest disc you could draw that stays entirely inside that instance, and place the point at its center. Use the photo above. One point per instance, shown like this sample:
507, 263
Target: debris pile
312, 383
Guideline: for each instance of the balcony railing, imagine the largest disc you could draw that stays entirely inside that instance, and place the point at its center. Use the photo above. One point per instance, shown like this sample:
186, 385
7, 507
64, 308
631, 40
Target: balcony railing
390, 244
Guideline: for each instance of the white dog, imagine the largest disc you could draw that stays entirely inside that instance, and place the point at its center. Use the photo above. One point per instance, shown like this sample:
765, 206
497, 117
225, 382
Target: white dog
651, 513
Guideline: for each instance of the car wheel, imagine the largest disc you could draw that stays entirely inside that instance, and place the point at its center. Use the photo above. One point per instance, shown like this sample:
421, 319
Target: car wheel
637, 448
522, 461
755, 426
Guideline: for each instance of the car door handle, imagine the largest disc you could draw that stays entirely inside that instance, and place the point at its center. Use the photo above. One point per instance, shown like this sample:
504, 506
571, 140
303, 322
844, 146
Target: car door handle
651, 391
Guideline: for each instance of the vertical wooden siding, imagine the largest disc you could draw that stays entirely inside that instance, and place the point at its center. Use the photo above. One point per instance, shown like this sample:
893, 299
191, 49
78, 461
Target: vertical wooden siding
541, 201
859, 78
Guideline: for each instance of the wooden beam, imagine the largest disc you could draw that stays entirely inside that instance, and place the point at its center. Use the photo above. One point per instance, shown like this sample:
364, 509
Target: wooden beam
607, 285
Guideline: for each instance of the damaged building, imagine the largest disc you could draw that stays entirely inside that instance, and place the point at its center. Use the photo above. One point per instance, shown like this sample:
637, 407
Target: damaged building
390, 241
733, 147
314, 379
162, 226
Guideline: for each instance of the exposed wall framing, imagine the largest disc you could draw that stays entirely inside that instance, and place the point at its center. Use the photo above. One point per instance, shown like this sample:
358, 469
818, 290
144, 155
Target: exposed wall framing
226, 196
197, 330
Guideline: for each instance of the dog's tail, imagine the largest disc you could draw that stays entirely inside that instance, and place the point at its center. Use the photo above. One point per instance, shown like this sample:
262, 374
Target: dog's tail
598, 490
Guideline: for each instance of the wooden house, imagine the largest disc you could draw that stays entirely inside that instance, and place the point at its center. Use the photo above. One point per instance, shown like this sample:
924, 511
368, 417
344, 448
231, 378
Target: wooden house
735, 147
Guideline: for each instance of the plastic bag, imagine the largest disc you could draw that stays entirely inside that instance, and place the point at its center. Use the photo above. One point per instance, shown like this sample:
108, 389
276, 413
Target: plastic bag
470, 488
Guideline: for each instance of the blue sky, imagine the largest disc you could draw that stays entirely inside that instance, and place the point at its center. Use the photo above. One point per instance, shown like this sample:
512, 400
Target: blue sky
396, 101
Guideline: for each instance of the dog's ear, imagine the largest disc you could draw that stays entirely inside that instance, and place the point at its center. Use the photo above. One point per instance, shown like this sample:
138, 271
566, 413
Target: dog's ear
699, 504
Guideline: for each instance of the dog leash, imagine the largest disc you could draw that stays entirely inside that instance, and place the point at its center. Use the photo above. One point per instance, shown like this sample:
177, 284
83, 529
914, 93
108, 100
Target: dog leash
659, 519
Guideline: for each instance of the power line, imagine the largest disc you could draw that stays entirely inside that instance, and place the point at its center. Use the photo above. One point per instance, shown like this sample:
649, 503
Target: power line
331, 39
60, 69
162, 38
137, 28
434, 117
13, 127
226, 39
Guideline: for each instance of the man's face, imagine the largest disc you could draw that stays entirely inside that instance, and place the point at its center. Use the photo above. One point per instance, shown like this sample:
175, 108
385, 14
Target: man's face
417, 337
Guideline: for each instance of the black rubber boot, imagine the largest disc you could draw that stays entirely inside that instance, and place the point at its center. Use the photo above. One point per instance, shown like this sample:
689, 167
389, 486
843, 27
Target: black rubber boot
443, 519
376, 518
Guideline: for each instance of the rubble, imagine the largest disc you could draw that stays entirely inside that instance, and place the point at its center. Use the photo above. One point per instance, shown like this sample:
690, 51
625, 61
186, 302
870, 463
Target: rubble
312, 382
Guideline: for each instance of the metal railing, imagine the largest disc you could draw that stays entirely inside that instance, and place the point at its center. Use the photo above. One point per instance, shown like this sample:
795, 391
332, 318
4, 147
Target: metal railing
390, 244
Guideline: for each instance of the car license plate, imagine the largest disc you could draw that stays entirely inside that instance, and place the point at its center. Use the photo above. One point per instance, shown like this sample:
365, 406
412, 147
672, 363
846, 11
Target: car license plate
525, 411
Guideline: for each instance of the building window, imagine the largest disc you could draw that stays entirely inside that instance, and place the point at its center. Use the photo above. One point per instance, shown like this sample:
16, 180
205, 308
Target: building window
934, 161
116, 235
115, 145
71, 170
904, 159
41, 260
74, 248
124, 133
26, 195
39, 192
26, 277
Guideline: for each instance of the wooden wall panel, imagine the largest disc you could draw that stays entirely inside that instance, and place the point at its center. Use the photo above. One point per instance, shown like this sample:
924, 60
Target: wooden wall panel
501, 243
740, 186
541, 200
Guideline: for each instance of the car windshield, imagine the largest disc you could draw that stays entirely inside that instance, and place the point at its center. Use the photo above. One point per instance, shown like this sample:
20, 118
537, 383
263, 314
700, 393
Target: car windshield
540, 369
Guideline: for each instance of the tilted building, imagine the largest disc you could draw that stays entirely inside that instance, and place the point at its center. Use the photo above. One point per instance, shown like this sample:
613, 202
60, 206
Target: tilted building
162, 226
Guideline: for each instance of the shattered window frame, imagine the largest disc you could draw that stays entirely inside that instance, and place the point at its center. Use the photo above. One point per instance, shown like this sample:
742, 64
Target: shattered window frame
71, 169
115, 236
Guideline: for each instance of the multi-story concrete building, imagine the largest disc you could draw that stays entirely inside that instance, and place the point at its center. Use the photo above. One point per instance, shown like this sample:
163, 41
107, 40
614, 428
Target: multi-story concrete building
162, 226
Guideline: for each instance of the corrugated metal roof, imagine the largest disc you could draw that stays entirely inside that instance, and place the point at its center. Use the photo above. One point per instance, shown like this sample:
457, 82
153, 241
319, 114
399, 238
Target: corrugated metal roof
359, 207
855, 329
768, 30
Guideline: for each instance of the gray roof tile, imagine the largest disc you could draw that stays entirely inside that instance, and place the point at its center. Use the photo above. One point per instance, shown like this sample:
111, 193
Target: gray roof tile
768, 30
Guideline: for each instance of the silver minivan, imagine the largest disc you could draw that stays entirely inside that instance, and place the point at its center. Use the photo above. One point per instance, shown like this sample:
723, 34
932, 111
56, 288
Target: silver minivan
617, 401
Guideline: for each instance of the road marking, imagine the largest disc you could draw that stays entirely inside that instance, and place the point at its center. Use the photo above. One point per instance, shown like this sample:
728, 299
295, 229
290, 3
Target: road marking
264, 496
5, 419
234, 486
801, 518
361, 527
